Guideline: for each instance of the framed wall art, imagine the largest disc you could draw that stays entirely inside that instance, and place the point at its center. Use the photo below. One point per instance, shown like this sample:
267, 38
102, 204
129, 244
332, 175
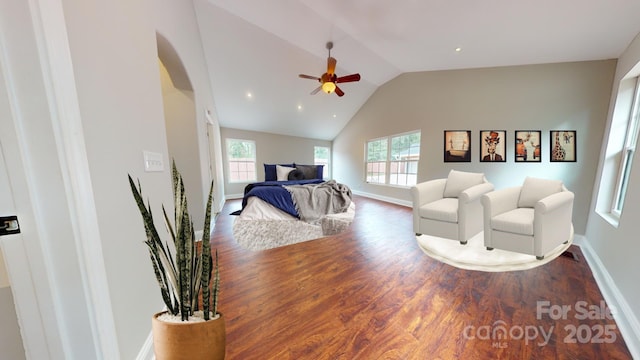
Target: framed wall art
527, 146
562, 146
457, 146
493, 146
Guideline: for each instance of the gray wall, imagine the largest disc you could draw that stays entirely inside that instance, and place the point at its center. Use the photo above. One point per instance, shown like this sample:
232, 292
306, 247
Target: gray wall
617, 246
112, 47
270, 149
564, 96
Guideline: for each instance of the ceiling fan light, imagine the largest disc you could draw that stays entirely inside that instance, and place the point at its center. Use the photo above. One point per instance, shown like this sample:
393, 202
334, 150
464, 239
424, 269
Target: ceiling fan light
328, 87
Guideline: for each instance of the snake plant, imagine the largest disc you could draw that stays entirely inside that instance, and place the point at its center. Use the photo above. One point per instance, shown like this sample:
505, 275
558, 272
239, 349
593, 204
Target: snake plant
183, 276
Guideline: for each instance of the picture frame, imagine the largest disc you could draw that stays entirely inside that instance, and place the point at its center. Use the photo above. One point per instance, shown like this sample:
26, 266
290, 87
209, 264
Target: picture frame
528, 146
457, 146
562, 146
493, 146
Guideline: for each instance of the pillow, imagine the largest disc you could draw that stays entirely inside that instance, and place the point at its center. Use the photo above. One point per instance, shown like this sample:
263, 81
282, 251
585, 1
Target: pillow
534, 190
309, 171
296, 174
282, 172
270, 171
459, 181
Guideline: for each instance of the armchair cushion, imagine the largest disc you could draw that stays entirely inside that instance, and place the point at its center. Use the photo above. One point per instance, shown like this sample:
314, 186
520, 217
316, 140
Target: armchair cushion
458, 181
534, 190
442, 210
518, 221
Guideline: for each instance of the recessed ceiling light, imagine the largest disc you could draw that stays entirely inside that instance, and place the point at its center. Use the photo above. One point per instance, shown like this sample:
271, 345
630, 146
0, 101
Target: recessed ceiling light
299, 107
458, 49
334, 115
249, 95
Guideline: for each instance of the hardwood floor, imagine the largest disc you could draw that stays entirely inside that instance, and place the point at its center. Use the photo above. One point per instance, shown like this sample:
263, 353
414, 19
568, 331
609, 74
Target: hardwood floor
371, 293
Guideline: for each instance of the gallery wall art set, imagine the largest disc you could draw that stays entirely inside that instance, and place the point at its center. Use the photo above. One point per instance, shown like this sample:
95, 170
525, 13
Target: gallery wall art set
493, 146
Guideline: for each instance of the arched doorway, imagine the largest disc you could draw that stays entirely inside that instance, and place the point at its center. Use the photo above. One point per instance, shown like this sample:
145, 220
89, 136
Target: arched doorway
181, 125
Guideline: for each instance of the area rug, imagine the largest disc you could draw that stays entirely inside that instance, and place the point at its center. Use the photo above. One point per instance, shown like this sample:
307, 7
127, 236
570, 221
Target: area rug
474, 255
260, 234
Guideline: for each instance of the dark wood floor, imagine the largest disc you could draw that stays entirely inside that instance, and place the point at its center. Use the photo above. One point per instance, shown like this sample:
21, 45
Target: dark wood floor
371, 293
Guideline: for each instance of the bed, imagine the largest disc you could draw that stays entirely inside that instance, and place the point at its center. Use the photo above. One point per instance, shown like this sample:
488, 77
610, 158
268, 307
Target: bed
290, 208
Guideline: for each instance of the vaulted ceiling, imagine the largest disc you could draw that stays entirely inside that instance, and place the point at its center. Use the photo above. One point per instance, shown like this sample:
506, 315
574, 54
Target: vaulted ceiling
255, 49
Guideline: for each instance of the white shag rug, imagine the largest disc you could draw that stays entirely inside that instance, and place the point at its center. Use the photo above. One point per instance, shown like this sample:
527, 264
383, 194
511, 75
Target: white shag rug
474, 255
259, 234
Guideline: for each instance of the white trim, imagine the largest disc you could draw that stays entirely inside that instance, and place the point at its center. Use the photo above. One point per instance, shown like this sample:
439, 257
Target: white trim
233, 196
384, 198
53, 47
146, 352
626, 321
36, 310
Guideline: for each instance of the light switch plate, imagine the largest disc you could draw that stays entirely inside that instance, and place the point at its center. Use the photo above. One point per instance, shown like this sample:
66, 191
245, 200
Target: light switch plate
153, 161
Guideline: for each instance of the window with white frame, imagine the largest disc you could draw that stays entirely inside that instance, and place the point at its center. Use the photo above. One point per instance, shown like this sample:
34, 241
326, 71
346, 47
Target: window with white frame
393, 160
241, 160
376, 167
628, 151
405, 153
321, 155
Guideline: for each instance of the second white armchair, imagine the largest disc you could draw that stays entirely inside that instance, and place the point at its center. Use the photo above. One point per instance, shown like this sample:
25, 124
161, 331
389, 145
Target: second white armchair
534, 218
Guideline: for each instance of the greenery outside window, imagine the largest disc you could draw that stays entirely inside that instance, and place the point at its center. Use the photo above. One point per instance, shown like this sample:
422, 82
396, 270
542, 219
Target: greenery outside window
241, 160
321, 156
405, 154
376, 161
393, 160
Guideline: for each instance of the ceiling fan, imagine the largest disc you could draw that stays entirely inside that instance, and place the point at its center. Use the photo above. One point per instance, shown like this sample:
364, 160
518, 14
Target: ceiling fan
329, 80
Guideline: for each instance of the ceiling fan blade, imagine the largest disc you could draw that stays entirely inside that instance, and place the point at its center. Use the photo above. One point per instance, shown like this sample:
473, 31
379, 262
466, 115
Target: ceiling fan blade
348, 78
309, 77
331, 65
316, 90
339, 91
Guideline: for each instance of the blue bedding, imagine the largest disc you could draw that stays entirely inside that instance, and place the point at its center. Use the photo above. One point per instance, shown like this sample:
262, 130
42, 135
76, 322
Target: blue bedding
275, 194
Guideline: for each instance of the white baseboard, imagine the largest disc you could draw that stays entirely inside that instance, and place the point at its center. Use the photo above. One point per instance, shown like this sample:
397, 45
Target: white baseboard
626, 320
234, 196
146, 353
384, 198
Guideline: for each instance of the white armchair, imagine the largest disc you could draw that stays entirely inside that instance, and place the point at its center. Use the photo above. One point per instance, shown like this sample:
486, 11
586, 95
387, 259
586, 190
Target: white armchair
450, 208
533, 219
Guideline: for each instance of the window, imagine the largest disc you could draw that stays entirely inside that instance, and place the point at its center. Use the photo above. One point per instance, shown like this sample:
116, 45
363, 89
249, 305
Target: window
377, 161
628, 151
241, 158
405, 153
321, 157
393, 160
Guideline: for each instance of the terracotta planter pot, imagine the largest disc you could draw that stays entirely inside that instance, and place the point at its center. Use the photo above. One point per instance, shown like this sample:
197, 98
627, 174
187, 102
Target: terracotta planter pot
188, 341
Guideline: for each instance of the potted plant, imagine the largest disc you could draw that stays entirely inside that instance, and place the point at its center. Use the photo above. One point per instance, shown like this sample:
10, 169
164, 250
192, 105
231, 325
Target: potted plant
184, 330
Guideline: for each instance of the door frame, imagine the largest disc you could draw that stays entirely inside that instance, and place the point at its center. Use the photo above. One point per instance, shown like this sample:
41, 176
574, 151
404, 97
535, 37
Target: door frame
60, 317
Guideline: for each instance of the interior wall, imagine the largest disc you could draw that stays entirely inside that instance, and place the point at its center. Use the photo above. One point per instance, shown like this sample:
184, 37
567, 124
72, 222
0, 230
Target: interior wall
563, 96
270, 149
48, 277
115, 61
617, 246
177, 22
182, 140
